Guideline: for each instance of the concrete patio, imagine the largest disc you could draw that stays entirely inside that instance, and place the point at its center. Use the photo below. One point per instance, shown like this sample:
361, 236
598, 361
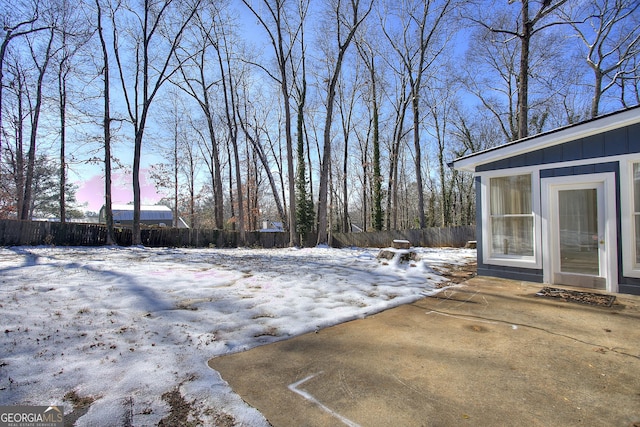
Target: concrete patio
485, 353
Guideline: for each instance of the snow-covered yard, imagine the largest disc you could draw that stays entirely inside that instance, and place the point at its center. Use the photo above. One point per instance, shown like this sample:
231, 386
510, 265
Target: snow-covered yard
124, 333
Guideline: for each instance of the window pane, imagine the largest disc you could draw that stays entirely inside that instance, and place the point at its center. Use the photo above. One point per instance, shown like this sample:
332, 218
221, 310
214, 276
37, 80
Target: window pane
637, 218
578, 212
512, 236
511, 195
636, 187
636, 209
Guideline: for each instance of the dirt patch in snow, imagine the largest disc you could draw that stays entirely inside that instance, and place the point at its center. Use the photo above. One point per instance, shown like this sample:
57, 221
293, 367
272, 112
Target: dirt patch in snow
456, 273
80, 405
183, 413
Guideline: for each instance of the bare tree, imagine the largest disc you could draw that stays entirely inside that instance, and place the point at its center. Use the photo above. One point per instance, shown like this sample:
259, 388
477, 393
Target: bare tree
16, 23
159, 31
630, 86
229, 78
611, 37
197, 81
399, 105
470, 132
73, 36
283, 40
440, 100
41, 67
106, 128
347, 23
18, 89
490, 73
424, 19
167, 174
304, 188
368, 56
346, 106
190, 168
531, 22
251, 128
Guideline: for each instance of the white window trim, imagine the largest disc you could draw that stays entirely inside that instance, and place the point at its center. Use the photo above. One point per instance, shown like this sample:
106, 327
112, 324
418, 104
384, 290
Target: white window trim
531, 262
629, 268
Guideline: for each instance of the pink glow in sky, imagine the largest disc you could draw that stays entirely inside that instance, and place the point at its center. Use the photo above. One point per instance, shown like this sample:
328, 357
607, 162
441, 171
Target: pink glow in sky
91, 191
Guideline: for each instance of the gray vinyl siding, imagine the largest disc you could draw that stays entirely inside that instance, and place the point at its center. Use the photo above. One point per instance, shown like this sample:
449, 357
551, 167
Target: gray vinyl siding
584, 170
511, 273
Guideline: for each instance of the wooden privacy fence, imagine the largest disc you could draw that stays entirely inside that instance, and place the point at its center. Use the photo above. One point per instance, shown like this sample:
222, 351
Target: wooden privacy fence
20, 233
51, 233
427, 237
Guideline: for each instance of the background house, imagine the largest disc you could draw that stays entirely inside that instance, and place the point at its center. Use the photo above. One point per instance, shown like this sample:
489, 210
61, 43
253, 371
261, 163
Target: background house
269, 226
563, 207
157, 215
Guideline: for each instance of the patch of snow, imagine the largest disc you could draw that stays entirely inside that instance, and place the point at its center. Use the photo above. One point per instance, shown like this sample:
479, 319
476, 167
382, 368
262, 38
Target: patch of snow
125, 326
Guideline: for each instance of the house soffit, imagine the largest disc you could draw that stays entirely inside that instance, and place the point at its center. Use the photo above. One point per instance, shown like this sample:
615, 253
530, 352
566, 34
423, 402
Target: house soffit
558, 136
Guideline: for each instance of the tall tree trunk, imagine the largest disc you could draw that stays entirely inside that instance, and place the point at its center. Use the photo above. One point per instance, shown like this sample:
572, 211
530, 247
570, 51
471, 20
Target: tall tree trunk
192, 188
203, 100
62, 93
331, 94
394, 158
28, 185
106, 126
239, 196
63, 164
597, 93
145, 83
523, 78
218, 210
231, 198
324, 167
136, 238
345, 187
19, 169
418, 154
304, 200
232, 125
293, 237
377, 175
346, 132
175, 176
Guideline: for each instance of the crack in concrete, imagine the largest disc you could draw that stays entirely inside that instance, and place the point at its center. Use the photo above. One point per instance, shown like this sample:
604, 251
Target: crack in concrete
500, 321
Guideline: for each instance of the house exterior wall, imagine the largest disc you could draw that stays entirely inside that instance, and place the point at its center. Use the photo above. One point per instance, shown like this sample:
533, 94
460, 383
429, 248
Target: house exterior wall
611, 153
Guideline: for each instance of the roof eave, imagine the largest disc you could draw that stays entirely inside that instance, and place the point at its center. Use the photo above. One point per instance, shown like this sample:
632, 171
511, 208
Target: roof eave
598, 125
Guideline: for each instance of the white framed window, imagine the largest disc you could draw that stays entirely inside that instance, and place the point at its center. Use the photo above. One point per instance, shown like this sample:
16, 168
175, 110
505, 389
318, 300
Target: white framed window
511, 216
636, 215
630, 218
510, 203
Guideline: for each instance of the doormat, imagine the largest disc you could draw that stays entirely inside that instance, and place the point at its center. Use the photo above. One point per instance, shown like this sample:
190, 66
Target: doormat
589, 298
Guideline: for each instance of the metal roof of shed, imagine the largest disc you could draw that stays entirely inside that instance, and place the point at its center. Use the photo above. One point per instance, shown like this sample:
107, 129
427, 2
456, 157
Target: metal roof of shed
147, 213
